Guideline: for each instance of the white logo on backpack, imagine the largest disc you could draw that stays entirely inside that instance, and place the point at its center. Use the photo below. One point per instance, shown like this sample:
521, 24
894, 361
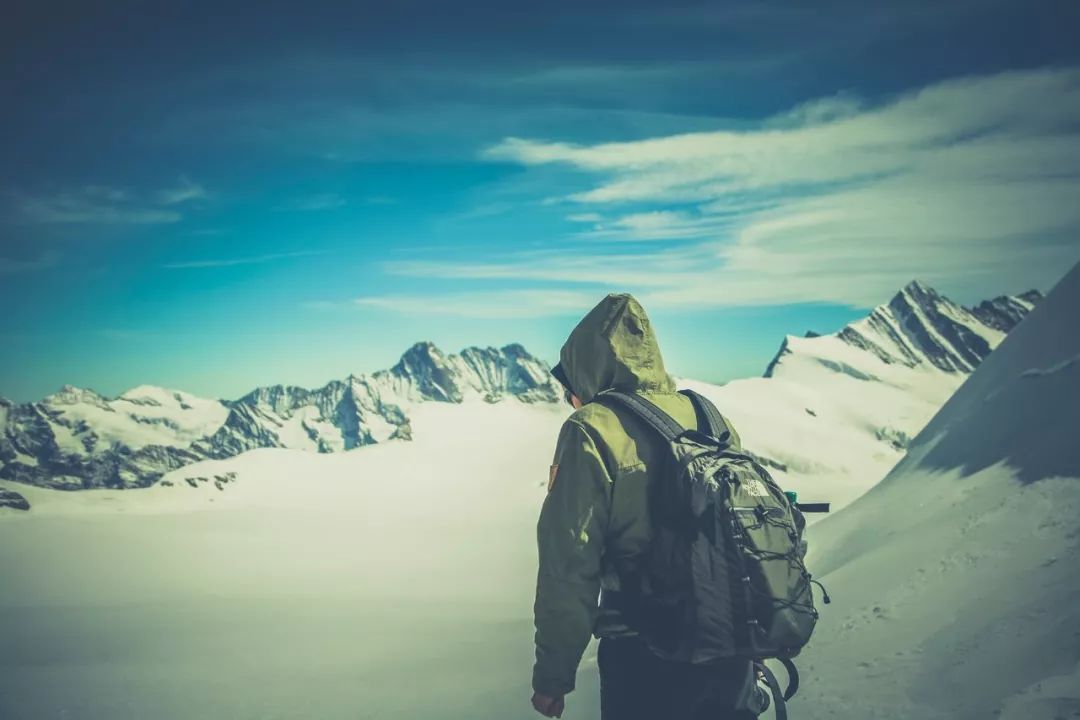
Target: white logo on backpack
754, 487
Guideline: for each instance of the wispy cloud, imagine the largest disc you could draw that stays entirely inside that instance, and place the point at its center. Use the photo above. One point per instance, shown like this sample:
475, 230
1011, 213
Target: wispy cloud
92, 204
971, 181
972, 184
659, 225
230, 262
485, 305
184, 191
315, 203
807, 147
18, 266
613, 269
107, 205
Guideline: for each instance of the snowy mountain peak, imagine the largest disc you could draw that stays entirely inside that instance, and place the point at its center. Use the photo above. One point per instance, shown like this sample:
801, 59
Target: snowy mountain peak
422, 351
72, 395
425, 366
154, 396
918, 328
917, 287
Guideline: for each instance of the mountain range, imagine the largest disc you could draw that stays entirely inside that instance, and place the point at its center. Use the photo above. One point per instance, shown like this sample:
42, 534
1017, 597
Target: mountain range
76, 438
916, 349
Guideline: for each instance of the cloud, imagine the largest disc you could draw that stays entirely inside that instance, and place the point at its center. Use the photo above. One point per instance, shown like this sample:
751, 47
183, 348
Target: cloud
818, 112
18, 266
315, 203
485, 305
614, 269
973, 181
659, 225
92, 204
106, 205
893, 138
230, 262
184, 191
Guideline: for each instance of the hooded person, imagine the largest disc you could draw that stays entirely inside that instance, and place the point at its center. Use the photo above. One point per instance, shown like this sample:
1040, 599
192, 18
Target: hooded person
595, 521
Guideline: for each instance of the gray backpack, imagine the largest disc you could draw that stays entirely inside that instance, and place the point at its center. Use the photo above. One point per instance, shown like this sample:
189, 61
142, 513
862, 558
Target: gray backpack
724, 574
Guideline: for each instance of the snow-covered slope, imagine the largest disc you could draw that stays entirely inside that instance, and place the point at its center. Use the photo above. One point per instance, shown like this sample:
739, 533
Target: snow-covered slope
954, 580
835, 412
397, 580
78, 439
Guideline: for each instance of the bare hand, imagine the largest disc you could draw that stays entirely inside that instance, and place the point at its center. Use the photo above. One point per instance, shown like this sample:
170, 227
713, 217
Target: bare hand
548, 706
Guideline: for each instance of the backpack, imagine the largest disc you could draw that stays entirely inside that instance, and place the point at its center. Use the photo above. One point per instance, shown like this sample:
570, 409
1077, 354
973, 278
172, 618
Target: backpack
724, 575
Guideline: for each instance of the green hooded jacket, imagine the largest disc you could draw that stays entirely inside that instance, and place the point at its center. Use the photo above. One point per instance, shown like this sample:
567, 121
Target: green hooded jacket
595, 515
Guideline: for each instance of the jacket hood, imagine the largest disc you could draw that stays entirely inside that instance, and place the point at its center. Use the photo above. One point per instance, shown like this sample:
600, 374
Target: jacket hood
613, 347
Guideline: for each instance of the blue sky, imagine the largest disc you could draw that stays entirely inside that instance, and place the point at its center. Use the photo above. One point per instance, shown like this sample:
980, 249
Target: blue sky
217, 196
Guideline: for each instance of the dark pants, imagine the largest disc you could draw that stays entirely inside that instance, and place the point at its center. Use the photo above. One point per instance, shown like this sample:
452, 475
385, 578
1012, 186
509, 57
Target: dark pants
637, 685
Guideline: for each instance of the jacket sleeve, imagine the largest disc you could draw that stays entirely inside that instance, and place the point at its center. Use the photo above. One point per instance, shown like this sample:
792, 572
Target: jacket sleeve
570, 539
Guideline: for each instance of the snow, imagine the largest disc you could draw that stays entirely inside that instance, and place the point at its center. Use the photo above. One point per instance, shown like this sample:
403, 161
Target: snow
947, 597
66, 440
316, 584
858, 403
145, 415
1056, 368
1051, 697
954, 579
397, 579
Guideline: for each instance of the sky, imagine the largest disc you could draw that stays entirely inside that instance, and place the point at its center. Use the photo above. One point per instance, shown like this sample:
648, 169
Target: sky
213, 197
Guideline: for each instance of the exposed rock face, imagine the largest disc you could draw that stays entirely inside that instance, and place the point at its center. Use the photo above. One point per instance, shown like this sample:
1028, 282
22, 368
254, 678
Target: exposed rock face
1004, 312
77, 439
13, 500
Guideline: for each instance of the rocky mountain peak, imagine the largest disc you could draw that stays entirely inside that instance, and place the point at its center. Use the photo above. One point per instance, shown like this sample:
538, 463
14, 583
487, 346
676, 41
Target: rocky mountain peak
425, 366
916, 288
516, 351
422, 351
921, 327
1005, 312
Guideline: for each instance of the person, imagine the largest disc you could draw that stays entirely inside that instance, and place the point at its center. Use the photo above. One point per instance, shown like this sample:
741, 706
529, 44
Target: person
595, 520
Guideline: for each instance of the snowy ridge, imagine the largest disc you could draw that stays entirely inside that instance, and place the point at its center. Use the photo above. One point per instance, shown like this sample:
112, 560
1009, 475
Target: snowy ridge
954, 579
76, 438
920, 327
834, 413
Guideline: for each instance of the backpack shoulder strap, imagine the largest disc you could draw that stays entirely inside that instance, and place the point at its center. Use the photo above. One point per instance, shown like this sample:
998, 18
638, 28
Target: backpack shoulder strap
709, 418
646, 410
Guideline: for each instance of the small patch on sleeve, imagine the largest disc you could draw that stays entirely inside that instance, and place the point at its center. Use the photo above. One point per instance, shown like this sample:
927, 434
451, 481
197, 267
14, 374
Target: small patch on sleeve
552, 472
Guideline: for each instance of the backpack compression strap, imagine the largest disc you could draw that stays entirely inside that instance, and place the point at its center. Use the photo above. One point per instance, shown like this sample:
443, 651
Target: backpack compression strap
647, 411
